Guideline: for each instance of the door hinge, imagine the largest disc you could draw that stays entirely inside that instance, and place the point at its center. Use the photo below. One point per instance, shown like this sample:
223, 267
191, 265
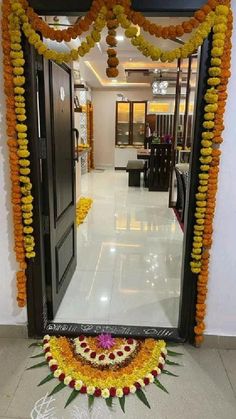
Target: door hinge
46, 224
42, 148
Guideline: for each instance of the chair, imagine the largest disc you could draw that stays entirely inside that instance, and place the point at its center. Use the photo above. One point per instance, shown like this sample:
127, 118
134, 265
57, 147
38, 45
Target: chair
182, 174
160, 164
134, 168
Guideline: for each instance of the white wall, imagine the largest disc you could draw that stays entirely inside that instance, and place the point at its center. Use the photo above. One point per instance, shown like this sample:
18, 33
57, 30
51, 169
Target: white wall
9, 312
221, 304
104, 103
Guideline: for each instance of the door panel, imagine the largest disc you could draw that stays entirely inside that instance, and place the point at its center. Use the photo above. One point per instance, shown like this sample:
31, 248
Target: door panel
58, 180
61, 139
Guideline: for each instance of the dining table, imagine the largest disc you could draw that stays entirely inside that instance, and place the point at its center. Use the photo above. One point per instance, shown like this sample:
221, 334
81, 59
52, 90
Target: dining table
143, 154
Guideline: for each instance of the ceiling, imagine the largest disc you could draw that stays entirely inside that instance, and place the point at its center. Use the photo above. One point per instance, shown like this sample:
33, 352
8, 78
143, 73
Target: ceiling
92, 67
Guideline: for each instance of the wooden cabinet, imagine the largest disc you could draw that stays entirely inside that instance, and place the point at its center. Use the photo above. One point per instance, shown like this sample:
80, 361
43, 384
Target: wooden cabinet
130, 123
123, 112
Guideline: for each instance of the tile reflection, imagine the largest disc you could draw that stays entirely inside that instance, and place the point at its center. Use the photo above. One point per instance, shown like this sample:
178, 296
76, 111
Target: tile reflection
129, 257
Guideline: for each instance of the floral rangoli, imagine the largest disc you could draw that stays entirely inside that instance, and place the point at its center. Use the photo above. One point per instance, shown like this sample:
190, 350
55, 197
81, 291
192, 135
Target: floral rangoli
105, 367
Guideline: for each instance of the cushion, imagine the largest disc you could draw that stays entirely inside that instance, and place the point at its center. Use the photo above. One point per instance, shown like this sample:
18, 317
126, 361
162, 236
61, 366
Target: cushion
135, 165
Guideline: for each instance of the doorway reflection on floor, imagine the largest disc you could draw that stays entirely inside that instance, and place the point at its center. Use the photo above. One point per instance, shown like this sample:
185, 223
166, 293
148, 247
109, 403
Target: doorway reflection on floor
129, 257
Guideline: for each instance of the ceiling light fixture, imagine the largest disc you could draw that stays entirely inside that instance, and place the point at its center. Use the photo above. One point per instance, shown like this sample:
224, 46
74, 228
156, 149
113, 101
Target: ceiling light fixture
159, 87
120, 38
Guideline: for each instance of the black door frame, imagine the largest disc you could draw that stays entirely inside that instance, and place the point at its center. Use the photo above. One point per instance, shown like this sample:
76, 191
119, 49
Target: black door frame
38, 322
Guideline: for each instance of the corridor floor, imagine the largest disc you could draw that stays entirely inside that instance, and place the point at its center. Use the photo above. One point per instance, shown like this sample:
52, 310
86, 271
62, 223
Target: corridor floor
205, 389
129, 257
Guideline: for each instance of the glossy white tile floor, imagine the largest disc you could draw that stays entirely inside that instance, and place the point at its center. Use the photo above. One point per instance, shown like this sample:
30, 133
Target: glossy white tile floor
129, 257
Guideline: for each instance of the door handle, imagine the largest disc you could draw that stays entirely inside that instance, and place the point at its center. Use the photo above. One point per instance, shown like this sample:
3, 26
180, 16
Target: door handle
76, 132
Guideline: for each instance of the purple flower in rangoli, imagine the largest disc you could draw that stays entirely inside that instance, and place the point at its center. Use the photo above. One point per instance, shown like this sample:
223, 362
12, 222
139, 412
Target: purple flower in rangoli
106, 341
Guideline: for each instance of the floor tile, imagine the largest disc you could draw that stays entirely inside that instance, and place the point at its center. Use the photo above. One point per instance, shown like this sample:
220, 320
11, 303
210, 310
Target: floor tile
14, 355
229, 360
130, 247
202, 390
87, 298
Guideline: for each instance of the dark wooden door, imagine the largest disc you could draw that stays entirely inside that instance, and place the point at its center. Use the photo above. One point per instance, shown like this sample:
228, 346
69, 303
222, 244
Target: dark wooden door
58, 180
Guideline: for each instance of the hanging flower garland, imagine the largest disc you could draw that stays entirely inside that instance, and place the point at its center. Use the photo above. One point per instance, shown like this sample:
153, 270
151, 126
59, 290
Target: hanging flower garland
18, 146
68, 34
216, 15
35, 40
155, 53
172, 31
112, 61
215, 99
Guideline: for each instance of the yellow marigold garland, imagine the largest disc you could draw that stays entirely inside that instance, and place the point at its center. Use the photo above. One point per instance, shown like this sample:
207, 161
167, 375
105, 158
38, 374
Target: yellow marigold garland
155, 53
66, 34
215, 99
17, 143
60, 57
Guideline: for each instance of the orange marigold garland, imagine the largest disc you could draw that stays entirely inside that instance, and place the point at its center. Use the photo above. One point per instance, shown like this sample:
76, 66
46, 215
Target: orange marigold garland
14, 81
66, 34
112, 61
172, 31
11, 119
208, 178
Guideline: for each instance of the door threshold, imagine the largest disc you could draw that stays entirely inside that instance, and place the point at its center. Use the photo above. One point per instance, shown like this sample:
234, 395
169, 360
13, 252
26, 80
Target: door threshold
169, 334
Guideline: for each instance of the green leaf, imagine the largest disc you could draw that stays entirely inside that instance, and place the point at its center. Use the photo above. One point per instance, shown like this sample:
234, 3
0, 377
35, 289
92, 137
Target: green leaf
122, 403
35, 344
158, 384
140, 394
38, 355
45, 380
73, 395
173, 363
90, 401
41, 364
109, 402
59, 387
172, 344
169, 373
172, 353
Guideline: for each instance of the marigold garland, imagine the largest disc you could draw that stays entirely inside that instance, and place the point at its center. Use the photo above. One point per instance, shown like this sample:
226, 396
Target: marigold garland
66, 34
172, 31
210, 159
18, 145
112, 61
216, 15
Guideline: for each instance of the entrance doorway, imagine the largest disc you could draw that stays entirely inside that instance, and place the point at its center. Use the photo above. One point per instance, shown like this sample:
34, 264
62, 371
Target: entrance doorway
56, 131
55, 191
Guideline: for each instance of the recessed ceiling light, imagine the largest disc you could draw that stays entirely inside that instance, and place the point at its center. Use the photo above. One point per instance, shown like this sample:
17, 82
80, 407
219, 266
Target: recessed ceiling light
114, 81
120, 38
131, 59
